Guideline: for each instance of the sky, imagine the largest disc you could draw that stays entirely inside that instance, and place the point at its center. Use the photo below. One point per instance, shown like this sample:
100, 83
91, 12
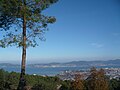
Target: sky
84, 30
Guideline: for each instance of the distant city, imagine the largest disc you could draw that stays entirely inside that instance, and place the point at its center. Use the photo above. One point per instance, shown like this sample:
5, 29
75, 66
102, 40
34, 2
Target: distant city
112, 73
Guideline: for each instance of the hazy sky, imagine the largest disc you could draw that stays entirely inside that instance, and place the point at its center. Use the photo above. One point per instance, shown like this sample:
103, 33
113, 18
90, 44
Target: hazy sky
85, 30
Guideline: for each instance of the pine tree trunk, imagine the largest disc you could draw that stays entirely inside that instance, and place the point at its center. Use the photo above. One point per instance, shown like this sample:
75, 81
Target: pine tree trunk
22, 81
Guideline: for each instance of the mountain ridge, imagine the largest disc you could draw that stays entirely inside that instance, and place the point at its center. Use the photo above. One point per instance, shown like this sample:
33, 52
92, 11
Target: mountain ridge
111, 63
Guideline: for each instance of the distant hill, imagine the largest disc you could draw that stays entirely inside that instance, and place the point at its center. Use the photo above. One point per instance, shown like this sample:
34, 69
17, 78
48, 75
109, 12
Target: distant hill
99, 63
108, 63
96, 63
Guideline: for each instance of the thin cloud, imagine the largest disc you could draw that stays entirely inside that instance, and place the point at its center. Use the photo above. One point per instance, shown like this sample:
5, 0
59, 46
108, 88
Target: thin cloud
98, 45
116, 34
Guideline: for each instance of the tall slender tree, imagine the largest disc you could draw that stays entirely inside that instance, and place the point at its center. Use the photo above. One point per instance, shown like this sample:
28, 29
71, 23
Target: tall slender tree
21, 23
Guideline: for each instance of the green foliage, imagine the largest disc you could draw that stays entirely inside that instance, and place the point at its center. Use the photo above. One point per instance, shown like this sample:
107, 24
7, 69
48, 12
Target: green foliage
12, 80
9, 81
44, 82
66, 85
39, 82
7, 12
114, 84
2, 79
38, 87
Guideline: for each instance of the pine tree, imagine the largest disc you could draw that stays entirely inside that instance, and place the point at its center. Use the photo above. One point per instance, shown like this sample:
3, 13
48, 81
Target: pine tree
21, 24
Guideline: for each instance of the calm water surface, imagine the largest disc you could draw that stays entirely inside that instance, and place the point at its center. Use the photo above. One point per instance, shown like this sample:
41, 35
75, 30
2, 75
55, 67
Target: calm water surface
47, 71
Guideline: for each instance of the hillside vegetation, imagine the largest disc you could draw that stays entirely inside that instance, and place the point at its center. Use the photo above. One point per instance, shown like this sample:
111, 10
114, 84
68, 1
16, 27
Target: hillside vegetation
96, 81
